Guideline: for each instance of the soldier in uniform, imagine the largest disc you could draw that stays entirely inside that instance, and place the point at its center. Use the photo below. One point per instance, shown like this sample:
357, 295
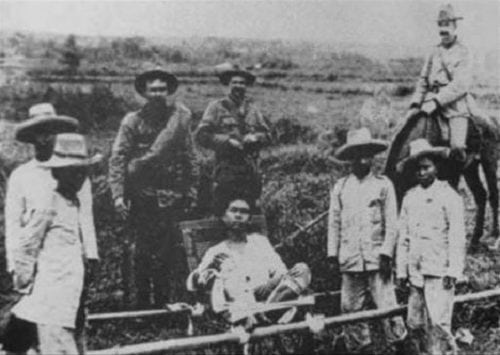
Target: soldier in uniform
151, 175
443, 88
235, 130
362, 236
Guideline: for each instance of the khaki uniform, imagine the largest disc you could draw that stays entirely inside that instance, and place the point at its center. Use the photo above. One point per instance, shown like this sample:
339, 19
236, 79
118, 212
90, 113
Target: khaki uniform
235, 170
152, 165
447, 77
362, 226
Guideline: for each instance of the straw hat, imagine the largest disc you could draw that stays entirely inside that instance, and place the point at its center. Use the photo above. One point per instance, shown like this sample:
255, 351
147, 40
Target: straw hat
447, 13
157, 73
226, 71
44, 119
70, 149
360, 143
421, 148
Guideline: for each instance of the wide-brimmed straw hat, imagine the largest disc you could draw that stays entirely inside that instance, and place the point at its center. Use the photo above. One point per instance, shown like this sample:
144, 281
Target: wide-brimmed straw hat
156, 73
226, 71
44, 119
360, 143
420, 148
447, 13
70, 149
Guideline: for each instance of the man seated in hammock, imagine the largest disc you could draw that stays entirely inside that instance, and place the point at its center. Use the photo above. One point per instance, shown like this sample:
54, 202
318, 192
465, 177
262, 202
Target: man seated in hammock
244, 267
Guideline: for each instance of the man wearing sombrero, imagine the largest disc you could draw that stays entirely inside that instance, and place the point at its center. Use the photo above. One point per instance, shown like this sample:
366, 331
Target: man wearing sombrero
151, 176
52, 268
362, 238
27, 188
443, 88
234, 128
431, 250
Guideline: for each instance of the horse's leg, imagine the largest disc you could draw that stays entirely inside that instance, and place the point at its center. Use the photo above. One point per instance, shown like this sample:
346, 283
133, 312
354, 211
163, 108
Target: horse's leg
490, 166
471, 175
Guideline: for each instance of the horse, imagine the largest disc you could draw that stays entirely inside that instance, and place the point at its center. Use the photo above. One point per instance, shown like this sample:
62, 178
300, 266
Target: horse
481, 153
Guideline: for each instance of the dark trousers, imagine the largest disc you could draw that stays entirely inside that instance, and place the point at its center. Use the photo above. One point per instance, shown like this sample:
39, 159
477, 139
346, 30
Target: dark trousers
158, 251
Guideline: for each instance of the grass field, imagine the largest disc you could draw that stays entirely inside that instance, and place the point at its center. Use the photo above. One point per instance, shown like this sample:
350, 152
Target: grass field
297, 174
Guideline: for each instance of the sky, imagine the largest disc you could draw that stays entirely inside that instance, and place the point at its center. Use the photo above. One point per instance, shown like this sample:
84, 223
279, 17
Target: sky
367, 22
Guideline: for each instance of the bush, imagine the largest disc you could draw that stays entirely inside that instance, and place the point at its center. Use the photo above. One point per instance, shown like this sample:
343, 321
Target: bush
289, 130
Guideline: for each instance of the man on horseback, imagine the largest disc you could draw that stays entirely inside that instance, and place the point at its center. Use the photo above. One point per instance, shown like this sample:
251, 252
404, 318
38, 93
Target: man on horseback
442, 90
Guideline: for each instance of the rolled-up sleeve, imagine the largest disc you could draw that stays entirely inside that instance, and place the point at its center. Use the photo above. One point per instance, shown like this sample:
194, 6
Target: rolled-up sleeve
120, 154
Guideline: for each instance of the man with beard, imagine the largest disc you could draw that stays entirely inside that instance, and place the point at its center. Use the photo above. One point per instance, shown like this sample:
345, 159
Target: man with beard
151, 177
430, 251
27, 188
245, 263
235, 130
443, 88
362, 238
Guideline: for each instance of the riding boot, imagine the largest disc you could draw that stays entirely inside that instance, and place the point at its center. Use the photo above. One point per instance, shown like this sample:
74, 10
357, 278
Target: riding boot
458, 137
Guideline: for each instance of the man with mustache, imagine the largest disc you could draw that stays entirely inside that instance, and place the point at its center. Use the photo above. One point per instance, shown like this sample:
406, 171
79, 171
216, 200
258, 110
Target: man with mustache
443, 89
151, 178
245, 263
362, 237
235, 130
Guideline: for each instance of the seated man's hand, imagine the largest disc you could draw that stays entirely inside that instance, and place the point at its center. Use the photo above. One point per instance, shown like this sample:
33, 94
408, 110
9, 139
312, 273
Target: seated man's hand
385, 267
449, 282
203, 278
217, 261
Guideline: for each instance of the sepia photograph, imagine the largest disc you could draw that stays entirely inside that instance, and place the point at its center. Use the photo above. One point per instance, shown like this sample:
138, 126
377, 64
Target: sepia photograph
249, 177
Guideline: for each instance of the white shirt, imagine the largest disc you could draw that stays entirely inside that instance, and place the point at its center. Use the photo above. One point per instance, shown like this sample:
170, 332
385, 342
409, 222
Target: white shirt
27, 189
432, 234
58, 282
250, 264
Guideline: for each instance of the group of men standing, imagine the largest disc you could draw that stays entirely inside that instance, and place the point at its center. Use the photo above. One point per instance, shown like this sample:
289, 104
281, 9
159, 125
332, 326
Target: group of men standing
152, 176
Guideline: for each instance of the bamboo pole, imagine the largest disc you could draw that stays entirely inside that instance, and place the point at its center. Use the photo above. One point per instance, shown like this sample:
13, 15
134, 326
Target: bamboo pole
200, 341
165, 312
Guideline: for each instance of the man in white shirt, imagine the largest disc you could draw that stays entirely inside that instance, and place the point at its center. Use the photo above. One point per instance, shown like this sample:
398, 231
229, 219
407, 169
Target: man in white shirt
53, 265
430, 251
362, 238
27, 188
246, 264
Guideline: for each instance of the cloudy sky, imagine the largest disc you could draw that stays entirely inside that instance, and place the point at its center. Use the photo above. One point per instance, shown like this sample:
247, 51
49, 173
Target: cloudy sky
361, 21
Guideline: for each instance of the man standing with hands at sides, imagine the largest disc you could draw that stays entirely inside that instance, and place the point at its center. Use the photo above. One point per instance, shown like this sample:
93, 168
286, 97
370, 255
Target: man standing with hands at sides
151, 175
431, 250
234, 128
362, 238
